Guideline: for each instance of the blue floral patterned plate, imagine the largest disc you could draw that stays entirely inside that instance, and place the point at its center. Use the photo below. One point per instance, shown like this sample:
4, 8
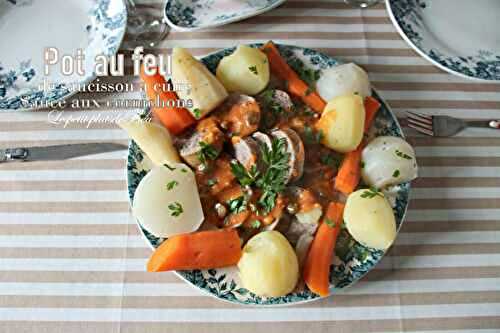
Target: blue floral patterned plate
460, 37
189, 15
28, 27
352, 260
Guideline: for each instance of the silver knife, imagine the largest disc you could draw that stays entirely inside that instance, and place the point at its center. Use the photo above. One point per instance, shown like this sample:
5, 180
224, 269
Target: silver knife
57, 152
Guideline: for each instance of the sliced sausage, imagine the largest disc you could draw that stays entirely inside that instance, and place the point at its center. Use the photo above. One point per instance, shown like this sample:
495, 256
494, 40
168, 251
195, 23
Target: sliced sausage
206, 131
276, 105
262, 139
239, 115
295, 148
246, 151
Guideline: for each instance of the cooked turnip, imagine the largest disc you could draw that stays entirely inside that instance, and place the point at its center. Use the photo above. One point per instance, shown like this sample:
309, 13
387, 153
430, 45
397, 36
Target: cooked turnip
388, 160
167, 202
153, 139
342, 80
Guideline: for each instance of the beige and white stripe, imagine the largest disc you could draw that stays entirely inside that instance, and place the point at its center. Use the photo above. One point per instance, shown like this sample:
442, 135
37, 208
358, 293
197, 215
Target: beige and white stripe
72, 260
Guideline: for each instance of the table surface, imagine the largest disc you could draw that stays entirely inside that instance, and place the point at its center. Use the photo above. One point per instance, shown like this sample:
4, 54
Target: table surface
72, 260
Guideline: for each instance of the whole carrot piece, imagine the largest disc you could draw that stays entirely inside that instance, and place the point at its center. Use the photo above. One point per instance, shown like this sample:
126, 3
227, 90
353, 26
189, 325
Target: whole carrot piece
295, 85
175, 119
197, 250
371, 108
316, 271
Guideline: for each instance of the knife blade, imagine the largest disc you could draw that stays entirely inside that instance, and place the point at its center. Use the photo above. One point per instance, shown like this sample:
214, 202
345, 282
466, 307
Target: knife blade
57, 152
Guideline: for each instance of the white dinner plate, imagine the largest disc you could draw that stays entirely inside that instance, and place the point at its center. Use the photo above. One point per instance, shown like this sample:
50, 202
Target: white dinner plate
28, 27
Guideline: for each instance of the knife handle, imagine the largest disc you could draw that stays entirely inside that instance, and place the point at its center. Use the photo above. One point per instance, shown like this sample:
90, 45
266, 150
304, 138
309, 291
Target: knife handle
14, 154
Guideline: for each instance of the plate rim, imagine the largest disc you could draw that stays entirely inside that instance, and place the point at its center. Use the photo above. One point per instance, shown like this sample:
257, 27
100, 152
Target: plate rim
225, 22
316, 297
86, 81
423, 54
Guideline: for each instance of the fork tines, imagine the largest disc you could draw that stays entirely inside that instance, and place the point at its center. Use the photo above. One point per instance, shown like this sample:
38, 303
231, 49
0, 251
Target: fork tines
420, 122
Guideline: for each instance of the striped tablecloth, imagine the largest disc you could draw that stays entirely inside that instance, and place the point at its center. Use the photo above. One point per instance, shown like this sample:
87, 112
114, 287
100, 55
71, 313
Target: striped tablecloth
72, 260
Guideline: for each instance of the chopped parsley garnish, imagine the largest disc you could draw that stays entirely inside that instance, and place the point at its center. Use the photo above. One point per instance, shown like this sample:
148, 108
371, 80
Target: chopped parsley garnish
255, 224
330, 223
197, 113
207, 152
271, 103
211, 182
372, 192
253, 69
396, 173
309, 91
172, 184
245, 177
237, 205
311, 136
272, 181
169, 167
175, 209
184, 170
403, 155
362, 165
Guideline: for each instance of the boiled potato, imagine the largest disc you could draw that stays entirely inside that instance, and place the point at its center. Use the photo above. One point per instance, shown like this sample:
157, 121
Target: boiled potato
153, 139
205, 91
245, 71
343, 79
388, 160
167, 202
369, 219
342, 123
269, 265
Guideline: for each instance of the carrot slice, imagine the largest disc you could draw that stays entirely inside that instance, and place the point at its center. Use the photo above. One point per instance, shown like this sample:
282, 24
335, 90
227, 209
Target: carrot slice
350, 171
175, 119
371, 108
198, 250
317, 266
296, 86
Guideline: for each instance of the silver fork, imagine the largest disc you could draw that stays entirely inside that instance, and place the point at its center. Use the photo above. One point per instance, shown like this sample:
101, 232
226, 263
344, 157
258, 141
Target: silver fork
445, 126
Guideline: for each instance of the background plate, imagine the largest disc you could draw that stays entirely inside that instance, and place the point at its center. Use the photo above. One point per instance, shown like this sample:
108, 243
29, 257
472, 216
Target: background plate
29, 26
460, 37
191, 15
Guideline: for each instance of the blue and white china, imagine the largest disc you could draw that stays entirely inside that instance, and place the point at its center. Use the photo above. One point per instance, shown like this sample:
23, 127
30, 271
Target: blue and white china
352, 260
189, 15
28, 27
459, 36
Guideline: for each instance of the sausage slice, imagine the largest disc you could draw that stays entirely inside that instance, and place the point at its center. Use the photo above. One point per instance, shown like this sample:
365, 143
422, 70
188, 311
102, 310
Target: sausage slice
295, 148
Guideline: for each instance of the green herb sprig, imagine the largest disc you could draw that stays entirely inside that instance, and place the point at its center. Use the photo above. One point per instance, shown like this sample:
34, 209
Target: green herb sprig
207, 152
175, 209
372, 192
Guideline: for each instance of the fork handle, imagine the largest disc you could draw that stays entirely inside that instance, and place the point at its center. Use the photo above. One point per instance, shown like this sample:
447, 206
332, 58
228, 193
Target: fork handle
484, 123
